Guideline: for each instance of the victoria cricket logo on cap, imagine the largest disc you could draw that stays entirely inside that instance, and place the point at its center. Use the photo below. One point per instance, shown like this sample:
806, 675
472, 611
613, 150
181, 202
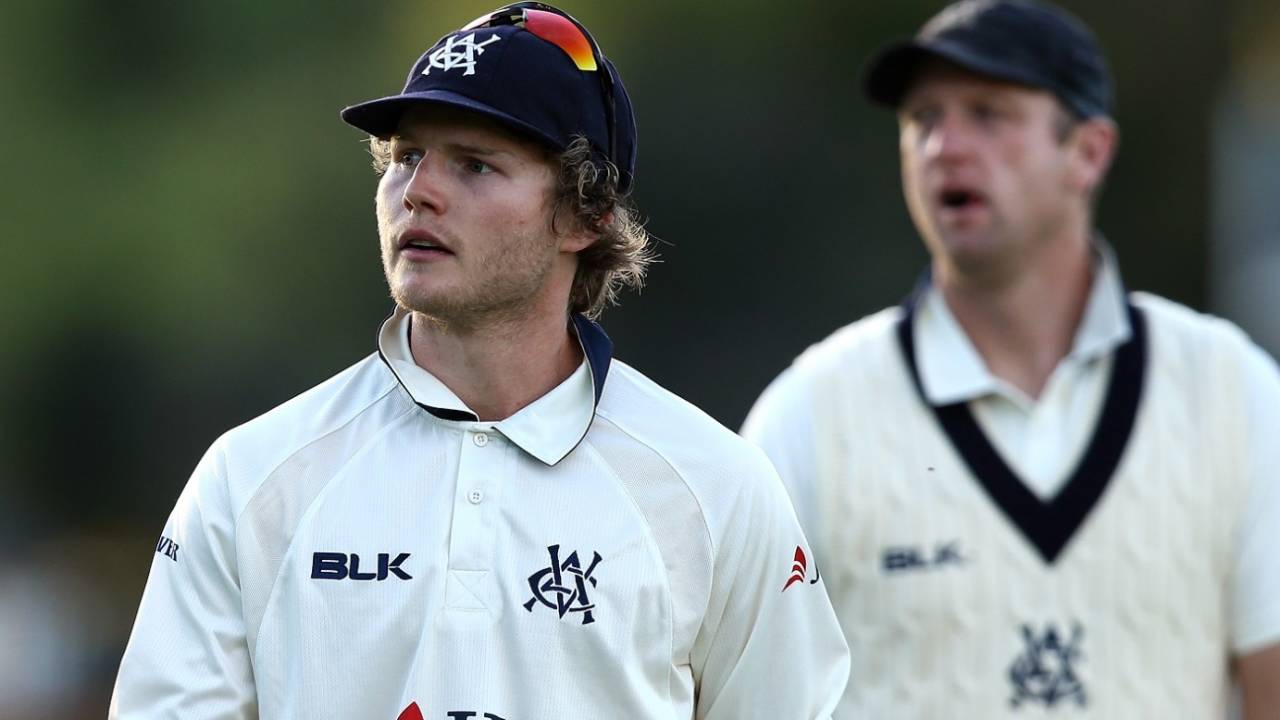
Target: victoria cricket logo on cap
458, 52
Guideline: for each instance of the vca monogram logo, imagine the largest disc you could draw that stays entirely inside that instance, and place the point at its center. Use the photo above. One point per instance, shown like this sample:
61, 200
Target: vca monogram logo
458, 52
568, 582
1044, 672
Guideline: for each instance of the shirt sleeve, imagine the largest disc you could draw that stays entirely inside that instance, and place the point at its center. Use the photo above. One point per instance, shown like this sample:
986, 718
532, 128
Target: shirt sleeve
781, 424
1256, 580
770, 645
187, 656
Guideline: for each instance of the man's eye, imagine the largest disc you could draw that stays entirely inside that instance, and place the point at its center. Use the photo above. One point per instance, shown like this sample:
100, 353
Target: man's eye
925, 117
408, 157
477, 167
986, 113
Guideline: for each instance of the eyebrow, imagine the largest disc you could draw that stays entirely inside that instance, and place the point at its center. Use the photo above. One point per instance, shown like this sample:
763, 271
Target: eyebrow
461, 148
465, 149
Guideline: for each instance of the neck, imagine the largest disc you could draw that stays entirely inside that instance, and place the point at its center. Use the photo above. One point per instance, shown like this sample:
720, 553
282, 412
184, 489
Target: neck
1024, 325
500, 366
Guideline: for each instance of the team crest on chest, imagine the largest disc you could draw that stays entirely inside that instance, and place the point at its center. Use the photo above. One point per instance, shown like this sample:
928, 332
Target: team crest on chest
458, 52
567, 582
1044, 672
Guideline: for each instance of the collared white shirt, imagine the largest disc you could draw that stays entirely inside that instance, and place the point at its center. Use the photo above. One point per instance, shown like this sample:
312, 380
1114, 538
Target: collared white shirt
1040, 438
372, 550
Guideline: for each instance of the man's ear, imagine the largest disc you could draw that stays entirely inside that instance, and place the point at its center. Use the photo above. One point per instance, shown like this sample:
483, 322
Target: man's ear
580, 237
576, 242
1095, 141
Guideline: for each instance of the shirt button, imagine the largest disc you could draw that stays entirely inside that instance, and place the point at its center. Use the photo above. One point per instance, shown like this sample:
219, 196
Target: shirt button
475, 496
481, 439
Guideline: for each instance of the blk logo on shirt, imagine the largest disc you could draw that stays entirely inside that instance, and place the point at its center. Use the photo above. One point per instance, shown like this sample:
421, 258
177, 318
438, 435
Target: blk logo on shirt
906, 558
340, 566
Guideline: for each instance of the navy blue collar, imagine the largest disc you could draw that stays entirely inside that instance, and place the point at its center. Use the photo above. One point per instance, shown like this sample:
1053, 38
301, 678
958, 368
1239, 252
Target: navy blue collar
596, 346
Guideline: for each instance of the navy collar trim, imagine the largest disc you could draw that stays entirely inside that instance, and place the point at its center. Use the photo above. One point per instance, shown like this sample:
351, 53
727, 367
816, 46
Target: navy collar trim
1048, 526
597, 347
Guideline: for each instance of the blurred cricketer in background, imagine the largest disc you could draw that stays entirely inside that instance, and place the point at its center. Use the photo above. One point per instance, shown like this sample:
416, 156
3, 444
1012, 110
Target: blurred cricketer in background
1036, 494
489, 516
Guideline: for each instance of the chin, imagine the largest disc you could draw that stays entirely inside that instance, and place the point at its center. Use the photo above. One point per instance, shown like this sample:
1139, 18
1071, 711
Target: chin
960, 242
418, 296
970, 254
449, 306
971, 249
425, 304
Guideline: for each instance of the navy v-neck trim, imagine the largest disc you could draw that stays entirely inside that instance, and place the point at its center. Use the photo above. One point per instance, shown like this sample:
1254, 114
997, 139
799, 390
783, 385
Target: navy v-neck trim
1050, 525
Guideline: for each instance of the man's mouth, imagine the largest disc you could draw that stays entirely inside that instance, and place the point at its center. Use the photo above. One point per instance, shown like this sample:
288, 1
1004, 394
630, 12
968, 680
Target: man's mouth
961, 199
421, 243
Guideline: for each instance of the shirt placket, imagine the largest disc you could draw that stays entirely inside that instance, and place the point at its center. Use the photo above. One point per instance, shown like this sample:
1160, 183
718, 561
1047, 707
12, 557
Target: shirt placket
471, 585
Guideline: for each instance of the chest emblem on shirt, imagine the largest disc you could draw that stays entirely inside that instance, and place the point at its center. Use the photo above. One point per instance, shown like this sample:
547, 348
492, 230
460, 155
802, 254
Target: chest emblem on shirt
1044, 672
564, 585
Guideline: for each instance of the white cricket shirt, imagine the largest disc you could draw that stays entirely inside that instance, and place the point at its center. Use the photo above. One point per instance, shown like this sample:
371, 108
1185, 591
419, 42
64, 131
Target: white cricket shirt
371, 550
1101, 551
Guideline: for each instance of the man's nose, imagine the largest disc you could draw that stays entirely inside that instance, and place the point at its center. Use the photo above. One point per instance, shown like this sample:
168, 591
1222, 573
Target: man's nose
424, 191
950, 139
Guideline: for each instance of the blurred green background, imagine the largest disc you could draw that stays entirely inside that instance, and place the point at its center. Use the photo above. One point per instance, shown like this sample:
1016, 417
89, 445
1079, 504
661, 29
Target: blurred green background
188, 234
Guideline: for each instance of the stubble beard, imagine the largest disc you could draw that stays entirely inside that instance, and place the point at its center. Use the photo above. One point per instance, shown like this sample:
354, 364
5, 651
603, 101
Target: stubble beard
512, 274
977, 255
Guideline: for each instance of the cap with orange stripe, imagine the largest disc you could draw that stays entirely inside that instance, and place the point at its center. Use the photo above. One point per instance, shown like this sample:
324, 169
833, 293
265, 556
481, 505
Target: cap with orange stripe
529, 66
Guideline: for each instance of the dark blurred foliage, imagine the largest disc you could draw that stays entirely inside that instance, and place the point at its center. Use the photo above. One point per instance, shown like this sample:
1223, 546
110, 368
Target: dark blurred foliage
188, 232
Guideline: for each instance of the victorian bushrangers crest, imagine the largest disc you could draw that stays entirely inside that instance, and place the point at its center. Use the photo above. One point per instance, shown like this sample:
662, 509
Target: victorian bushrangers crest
567, 581
458, 52
1045, 671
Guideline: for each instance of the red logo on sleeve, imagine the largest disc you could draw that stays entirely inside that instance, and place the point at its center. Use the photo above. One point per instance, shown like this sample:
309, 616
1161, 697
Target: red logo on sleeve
411, 713
800, 569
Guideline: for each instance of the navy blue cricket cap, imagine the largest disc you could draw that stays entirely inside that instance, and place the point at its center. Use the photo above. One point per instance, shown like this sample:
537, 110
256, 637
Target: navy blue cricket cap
1021, 41
532, 68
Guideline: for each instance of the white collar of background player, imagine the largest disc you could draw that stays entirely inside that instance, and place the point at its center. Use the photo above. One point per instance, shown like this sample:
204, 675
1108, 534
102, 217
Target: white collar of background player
951, 370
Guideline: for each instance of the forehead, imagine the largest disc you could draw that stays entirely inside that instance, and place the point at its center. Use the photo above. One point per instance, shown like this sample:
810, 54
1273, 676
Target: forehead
935, 77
